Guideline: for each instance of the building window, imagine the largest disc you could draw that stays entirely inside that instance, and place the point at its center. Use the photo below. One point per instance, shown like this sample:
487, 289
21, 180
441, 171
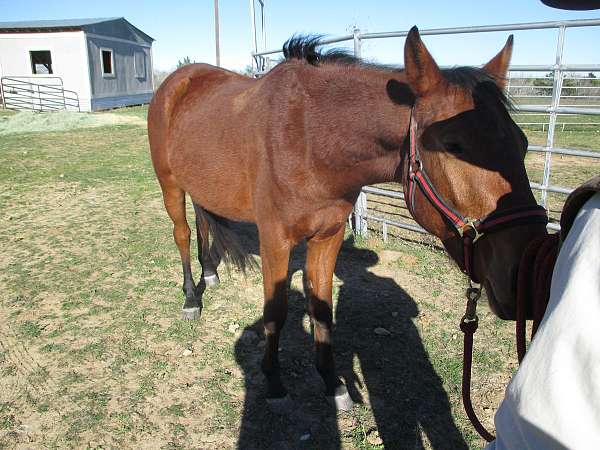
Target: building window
139, 63
108, 62
41, 62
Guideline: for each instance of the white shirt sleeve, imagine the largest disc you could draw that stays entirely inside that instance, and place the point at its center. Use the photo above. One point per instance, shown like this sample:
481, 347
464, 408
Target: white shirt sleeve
553, 400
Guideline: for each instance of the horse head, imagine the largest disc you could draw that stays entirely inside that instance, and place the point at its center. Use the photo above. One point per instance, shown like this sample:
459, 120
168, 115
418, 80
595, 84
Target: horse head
463, 171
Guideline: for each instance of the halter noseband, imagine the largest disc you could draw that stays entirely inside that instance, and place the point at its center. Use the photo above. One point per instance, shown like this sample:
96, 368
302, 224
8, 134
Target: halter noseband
469, 230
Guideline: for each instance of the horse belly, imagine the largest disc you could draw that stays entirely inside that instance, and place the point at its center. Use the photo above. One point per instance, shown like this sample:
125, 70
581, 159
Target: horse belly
214, 176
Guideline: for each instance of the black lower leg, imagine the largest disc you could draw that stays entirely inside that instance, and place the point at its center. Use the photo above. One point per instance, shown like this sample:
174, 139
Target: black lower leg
192, 300
335, 389
270, 366
274, 316
209, 271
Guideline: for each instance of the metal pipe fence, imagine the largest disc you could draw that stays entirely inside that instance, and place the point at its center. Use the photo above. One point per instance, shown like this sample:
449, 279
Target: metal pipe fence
559, 69
23, 93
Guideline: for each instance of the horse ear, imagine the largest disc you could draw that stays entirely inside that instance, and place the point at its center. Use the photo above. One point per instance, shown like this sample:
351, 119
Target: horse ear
422, 72
497, 67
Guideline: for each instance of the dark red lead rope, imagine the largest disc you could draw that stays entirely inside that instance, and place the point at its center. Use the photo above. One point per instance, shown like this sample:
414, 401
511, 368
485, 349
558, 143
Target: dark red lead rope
533, 291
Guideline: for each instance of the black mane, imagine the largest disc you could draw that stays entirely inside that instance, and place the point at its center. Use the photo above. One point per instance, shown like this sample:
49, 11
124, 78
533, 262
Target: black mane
304, 47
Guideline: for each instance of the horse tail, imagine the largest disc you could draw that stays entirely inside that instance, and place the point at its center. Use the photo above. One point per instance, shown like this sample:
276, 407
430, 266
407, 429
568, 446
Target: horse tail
226, 244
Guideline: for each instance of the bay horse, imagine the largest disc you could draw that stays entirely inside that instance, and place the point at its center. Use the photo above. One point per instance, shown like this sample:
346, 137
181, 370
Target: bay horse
290, 152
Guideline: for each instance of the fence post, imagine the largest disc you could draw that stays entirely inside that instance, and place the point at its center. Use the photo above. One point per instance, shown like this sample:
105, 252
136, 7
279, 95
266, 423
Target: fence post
253, 32
357, 42
556, 92
2, 93
360, 214
360, 207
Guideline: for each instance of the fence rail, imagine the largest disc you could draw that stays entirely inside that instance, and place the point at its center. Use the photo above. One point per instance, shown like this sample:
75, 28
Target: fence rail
25, 93
553, 110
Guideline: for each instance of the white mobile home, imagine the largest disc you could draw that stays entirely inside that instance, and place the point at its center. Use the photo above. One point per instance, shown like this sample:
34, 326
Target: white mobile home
86, 64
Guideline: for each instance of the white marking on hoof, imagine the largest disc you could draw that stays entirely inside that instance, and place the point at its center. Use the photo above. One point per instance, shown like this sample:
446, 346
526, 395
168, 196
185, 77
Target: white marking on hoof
282, 405
342, 402
190, 313
211, 280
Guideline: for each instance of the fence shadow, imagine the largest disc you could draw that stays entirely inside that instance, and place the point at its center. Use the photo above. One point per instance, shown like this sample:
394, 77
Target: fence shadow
398, 380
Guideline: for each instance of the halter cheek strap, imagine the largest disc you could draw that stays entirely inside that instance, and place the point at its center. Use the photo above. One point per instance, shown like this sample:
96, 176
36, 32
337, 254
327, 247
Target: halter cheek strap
468, 230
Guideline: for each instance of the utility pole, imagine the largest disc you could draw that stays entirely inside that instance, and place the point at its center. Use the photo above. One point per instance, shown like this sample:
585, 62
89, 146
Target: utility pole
217, 44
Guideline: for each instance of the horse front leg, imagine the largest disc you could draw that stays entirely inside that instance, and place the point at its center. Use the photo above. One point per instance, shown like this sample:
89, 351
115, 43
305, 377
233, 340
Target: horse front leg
275, 255
321, 256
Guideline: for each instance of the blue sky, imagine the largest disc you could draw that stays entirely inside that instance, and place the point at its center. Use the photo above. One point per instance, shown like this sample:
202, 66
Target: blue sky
186, 28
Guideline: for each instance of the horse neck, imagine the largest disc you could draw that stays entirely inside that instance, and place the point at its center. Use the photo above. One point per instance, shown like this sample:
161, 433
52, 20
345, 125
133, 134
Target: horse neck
356, 129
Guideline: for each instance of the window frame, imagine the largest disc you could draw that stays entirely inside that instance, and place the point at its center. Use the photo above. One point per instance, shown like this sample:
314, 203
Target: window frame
144, 75
105, 74
32, 65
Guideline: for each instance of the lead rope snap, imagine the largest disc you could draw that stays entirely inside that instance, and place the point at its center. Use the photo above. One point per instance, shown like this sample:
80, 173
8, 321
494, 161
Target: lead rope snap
473, 293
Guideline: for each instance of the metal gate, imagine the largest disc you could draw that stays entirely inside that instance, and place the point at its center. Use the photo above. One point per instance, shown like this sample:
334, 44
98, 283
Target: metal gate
37, 94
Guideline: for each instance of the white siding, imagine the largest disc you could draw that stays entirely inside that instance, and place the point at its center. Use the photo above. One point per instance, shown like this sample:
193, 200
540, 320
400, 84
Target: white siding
69, 59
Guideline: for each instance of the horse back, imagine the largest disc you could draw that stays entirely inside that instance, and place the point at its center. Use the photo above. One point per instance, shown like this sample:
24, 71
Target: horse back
194, 121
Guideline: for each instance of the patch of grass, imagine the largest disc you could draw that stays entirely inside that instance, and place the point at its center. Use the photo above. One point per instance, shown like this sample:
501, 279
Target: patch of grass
175, 410
359, 434
178, 430
8, 370
72, 378
42, 408
38, 375
117, 366
35, 122
30, 329
145, 389
124, 422
92, 350
53, 347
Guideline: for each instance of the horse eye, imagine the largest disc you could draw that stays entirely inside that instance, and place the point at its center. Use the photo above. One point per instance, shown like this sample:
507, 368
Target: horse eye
453, 147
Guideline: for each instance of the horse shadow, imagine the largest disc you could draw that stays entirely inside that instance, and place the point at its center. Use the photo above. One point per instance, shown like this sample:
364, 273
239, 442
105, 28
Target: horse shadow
404, 392
396, 380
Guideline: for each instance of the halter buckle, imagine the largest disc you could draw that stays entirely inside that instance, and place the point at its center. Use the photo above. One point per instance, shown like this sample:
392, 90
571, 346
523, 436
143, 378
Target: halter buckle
470, 224
412, 171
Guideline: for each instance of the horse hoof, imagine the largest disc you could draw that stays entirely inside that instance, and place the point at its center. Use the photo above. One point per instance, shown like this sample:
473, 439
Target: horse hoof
280, 405
190, 313
341, 401
211, 280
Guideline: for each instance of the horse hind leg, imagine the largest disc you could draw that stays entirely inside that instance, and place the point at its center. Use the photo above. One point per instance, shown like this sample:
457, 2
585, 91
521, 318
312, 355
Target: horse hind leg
209, 275
174, 199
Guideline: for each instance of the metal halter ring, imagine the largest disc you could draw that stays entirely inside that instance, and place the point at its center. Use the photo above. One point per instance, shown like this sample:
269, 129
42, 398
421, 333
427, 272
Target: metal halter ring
470, 223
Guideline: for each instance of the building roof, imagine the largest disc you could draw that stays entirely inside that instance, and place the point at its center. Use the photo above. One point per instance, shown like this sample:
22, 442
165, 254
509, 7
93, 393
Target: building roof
108, 26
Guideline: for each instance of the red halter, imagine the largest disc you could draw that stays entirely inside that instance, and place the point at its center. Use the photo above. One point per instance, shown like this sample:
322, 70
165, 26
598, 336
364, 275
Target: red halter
469, 230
